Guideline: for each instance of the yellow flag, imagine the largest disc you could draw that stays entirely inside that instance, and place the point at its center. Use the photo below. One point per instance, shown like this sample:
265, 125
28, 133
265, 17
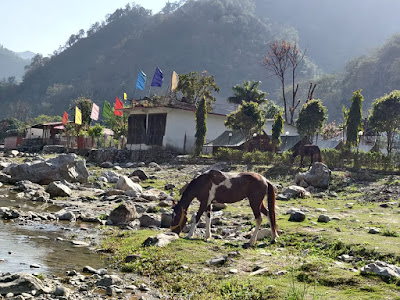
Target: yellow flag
174, 81
78, 116
125, 96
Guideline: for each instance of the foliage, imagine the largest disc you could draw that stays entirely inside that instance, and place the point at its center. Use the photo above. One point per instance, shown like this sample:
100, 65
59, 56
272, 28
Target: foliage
20, 110
385, 116
42, 119
96, 131
85, 105
277, 129
330, 130
119, 124
248, 118
201, 126
354, 118
270, 109
11, 127
247, 92
311, 118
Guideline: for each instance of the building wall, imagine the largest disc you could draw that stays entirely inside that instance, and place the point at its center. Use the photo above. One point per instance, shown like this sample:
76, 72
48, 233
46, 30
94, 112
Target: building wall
181, 123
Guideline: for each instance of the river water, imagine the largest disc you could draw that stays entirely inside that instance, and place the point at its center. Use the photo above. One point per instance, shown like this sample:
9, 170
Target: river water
45, 245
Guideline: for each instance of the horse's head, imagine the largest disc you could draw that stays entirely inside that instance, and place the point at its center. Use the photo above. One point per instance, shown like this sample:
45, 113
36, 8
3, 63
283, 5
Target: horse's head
179, 219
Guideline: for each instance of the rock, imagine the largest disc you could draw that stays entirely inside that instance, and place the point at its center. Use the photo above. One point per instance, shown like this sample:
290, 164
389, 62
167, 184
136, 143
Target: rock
166, 220
57, 189
123, 214
5, 178
65, 215
147, 220
382, 269
61, 291
65, 166
259, 271
324, 218
263, 233
295, 191
374, 230
217, 261
218, 206
169, 187
161, 240
21, 283
126, 184
110, 176
80, 243
106, 164
89, 270
317, 176
109, 280
139, 173
155, 166
297, 216
149, 196
141, 164
27, 186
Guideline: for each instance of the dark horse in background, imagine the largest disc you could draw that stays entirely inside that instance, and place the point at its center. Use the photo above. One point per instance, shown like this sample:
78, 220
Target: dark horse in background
307, 150
216, 186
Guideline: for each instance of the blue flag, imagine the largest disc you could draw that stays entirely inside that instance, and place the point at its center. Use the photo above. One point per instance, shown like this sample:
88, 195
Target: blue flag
157, 78
141, 81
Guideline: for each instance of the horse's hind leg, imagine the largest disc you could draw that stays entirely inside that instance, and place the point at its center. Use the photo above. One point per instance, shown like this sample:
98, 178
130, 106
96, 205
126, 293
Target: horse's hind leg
265, 211
255, 206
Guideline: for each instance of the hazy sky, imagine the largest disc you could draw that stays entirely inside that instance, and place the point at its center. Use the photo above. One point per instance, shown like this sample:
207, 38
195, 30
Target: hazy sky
41, 26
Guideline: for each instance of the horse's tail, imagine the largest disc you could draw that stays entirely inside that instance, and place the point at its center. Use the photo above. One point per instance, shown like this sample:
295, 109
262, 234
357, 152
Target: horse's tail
271, 210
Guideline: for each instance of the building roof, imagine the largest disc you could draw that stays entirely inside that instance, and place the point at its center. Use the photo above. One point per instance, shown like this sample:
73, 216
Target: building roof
191, 108
288, 142
228, 138
50, 124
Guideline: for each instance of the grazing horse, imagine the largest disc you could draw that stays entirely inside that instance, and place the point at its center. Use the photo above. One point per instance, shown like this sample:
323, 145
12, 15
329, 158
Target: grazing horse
307, 150
222, 187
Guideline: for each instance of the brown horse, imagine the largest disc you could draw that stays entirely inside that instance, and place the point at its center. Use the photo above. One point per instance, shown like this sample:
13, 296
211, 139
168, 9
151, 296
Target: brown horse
307, 150
226, 188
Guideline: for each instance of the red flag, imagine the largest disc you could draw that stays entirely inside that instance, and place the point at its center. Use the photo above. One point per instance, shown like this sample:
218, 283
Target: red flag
65, 118
118, 105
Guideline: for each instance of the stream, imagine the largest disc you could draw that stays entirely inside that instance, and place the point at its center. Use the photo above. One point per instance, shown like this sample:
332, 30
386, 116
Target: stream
36, 247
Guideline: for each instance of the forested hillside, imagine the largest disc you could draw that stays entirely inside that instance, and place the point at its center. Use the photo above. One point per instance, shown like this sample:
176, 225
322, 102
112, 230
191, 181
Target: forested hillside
223, 37
335, 31
11, 65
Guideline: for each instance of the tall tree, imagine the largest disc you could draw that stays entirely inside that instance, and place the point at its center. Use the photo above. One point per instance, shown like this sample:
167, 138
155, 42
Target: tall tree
248, 92
20, 110
85, 105
295, 56
248, 118
354, 118
385, 116
201, 126
277, 129
311, 119
194, 86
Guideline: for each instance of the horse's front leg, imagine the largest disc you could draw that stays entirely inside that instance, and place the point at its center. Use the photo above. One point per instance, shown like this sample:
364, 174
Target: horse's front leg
208, 223
253, 239
196, 221
301, 161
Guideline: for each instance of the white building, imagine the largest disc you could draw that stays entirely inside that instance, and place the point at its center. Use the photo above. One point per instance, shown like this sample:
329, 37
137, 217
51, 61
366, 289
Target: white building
169, 127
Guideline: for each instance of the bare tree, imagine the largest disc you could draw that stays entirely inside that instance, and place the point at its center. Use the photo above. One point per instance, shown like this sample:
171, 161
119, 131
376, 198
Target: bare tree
277, 62
282, 56
295, 56
20, 110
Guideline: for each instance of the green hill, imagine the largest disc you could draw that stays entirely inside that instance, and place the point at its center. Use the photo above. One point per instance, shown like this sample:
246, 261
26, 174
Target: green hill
11, 65
224, 37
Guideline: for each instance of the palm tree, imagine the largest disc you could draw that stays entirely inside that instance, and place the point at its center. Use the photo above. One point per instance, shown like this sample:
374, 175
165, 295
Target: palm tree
248, 92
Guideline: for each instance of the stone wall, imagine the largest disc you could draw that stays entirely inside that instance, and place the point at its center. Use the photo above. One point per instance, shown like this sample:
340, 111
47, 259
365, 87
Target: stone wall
124, 156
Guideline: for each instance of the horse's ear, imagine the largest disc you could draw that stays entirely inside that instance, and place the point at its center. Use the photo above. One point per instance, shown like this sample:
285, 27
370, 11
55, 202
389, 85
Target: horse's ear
216, 176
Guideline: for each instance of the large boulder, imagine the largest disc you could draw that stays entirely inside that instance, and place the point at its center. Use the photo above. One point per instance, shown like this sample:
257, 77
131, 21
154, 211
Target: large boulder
65, 166
317, 176
123, 214
21, 283
58, 189
110, 176
126, 184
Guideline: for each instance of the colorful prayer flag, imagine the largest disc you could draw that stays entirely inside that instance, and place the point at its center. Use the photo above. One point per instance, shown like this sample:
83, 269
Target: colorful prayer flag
141, 81
78, 116
95, 112
157, 78
174, 81
118, 105
65, 118
125, 96
106, 110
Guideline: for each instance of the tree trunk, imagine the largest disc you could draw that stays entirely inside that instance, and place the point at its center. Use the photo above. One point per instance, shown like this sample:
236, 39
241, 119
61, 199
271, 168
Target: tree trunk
284, 99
